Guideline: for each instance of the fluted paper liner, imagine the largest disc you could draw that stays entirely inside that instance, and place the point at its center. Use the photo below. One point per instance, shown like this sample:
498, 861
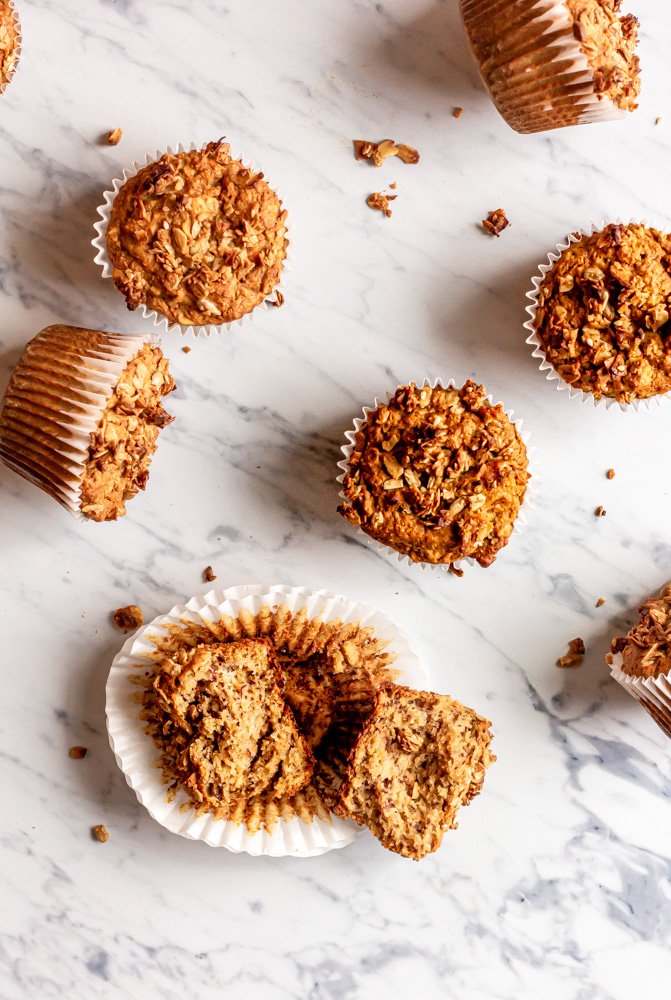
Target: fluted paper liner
55, 400
17, 51
653, 693
104, 211
387, 550
291, 616
546, 366
537, 74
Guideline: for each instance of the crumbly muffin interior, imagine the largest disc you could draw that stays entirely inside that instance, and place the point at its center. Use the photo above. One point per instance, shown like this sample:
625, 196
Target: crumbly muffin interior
197, 236
609, 41
603, 313
646, 649
122, 445
437, 474
420, 757
9, 39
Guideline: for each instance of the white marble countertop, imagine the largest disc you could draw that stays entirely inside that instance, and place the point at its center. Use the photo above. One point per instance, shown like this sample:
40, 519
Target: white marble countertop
557, 881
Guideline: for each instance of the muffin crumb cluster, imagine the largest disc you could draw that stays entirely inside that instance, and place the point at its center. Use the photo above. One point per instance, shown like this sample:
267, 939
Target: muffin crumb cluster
646, 649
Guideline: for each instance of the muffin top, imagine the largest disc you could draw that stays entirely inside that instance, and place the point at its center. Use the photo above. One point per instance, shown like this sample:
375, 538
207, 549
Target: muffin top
609, 42
9, 41
646, 649
603, 313
197, 236
437, 474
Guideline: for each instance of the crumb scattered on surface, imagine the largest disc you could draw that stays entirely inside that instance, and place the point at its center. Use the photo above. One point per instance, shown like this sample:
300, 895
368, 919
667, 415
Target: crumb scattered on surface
576, 651
600, 603
495, 222
600, 512
380, 202
77, 753
393, 185
187, 350
659, 120
128, 618
209, 575
610, 474
9, 41
278, 300
377, 152
100, 833
457, 113
114, 137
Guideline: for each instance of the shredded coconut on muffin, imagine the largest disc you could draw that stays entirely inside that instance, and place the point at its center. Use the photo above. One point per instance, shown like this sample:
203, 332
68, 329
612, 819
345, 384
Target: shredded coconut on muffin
437, 474
603, 313
197, 236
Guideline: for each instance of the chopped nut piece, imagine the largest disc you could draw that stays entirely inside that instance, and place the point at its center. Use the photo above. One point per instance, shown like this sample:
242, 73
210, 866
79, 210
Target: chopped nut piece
377, 152
495, 222
455, 570
114, 137
610, 474
100, 833
381, 202
576, 651
187, 350
208, 575
278, 300
600, 603
457, 113
600, 512
77, 753
128, 618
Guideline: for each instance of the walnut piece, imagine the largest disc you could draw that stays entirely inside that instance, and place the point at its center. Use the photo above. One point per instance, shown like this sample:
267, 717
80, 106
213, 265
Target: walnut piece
208, 575
600, 512
114, 137
495, 222
576, 651
100, 833
128, 618
377, 152
600, 603
646, 649
380, 202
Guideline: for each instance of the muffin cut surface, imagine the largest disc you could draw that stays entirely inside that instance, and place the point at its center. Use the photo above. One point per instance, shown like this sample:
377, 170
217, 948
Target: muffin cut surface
420, 757
603, 313
197, 236
437, 474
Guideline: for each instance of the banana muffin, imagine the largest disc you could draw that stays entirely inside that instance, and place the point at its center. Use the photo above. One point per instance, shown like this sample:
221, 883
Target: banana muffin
9, 42
603, 313
82, 415
197, 237
437, 474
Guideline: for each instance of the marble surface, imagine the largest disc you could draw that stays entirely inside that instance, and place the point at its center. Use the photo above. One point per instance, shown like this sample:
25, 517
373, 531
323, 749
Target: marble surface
557, 880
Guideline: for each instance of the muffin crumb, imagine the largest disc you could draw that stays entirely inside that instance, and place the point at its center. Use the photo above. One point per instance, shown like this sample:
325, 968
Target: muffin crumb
576, 651
114, 136
610, 474
380, 202
457, 113
100, 833
600, 603
208, 575
186, 350
377, 152
495, 222
646, 649
128, 618
600, 512
77, 753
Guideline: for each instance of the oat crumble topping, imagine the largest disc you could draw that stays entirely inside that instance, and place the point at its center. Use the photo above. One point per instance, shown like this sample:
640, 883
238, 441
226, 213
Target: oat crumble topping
576, 651
198, 237
437, 474
128, 618
114, 137
603, 313
377, 152
646, 649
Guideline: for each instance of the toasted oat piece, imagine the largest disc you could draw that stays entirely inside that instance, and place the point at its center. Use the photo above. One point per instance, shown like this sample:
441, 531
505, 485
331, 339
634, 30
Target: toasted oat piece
420, 757
226, 735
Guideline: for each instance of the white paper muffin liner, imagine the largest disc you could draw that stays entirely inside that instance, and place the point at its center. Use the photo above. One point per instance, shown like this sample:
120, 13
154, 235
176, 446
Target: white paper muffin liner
137, 756
17, 52
552, 375
532, 94
60, 472
158, 319
653, 693
387, 550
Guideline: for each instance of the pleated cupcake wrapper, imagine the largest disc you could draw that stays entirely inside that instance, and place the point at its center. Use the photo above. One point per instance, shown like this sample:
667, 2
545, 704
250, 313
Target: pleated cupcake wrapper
17, 51
387, 550
48, 419
540, 78
552, 375
158, 319
138, 758
653, 693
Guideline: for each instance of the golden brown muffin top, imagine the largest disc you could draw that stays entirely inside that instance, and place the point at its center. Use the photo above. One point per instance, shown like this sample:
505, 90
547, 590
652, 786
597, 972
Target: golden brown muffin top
124, 441
609, 41
9, 41
646, 649
197, 236
603, 313
437, 474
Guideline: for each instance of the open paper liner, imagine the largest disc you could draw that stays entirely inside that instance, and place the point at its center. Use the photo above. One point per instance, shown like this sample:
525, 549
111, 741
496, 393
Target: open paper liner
532, 64
387, 550
552, 375
17, 49
55, 400
159, 320
298, 622
653, 693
